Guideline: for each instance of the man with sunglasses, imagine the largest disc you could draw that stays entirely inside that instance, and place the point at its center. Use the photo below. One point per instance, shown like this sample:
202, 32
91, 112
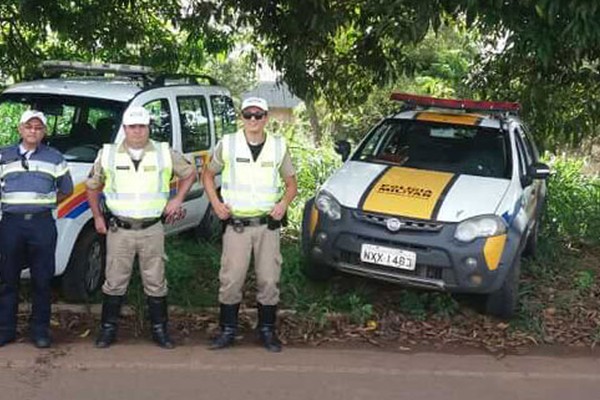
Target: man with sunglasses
253, 165
33, 179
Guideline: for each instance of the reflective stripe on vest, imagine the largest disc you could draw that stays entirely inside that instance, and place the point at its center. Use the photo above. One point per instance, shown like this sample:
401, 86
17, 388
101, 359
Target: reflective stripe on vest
29, 198
251, 187
54, 170
141, 193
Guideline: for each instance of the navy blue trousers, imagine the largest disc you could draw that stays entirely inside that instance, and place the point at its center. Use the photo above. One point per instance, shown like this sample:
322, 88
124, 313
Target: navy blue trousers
30, 242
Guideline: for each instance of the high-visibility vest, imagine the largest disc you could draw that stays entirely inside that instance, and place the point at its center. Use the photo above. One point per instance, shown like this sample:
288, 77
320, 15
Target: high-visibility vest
47, 173
251, 188
141, 193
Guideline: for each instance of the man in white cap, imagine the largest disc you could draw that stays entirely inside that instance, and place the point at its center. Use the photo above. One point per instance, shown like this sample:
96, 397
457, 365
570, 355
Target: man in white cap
135, 178
33, 179
253, 165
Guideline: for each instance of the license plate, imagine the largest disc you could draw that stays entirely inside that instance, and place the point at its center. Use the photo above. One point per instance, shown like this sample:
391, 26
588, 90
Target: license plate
387, 256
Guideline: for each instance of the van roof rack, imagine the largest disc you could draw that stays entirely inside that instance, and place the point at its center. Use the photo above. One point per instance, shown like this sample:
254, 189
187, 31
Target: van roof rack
413, 100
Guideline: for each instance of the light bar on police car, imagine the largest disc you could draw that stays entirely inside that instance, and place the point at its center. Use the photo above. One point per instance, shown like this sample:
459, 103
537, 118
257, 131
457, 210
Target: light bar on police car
455, 104
122, 69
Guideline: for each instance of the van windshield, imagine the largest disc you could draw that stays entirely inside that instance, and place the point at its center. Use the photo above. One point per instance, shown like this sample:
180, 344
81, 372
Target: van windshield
77, 126
459, 149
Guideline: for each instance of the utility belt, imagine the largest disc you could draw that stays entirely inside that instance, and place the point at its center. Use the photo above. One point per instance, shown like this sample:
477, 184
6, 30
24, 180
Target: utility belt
115, 223
240, 223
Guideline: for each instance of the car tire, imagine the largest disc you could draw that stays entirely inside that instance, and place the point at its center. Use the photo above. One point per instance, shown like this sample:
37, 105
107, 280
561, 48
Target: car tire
532, 242
312, 269
210, 229
503, 302
85, 272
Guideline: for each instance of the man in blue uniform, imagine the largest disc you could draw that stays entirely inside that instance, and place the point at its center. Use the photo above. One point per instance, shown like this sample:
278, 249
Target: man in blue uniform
33, 179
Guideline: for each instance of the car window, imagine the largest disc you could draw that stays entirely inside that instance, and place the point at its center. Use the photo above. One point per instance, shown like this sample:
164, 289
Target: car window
224, 114
530, 144
462, 149
195, 131
77, 126
161, 127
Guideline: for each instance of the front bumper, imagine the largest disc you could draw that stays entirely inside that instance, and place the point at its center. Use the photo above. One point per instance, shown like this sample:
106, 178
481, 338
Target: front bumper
441, 260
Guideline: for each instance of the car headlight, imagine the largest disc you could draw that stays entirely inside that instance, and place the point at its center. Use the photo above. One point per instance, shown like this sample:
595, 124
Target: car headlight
479, 227
328, 205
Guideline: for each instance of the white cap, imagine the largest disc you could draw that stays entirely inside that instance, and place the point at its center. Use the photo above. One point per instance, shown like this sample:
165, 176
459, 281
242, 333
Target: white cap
136, 116
30, 114
257, 102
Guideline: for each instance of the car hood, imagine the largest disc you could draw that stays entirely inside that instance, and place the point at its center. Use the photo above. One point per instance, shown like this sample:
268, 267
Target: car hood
415, 193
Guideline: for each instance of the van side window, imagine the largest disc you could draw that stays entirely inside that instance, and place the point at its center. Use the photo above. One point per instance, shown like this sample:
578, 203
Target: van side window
161, 127
195, 131
224, 114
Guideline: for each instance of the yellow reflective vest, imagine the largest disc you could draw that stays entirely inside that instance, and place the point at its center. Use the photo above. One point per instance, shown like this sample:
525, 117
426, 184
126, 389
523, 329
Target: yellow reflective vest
251, 188
137, 193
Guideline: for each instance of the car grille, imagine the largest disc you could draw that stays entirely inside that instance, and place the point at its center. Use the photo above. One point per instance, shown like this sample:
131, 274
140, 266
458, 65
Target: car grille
406, 224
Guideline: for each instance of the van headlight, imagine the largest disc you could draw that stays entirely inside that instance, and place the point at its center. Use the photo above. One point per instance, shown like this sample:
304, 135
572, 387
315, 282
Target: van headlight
479, 227
328, 205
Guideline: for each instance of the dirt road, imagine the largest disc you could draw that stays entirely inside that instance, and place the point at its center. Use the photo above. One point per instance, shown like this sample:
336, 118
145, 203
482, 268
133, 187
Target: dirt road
141, 371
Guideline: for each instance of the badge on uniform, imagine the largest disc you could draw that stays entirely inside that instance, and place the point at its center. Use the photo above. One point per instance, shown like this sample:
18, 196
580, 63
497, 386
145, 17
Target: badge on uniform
125, 167
244, 160
267, 164
149, 168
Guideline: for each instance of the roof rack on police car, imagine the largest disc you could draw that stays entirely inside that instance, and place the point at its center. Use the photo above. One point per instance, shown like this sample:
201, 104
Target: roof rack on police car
193, 79
413, 101
93, 68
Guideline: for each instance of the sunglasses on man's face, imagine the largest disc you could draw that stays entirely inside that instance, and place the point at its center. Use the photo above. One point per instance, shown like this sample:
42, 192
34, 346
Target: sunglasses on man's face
256, 115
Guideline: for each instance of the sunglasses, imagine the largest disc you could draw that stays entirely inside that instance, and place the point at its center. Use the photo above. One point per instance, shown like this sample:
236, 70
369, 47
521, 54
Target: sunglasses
257, 115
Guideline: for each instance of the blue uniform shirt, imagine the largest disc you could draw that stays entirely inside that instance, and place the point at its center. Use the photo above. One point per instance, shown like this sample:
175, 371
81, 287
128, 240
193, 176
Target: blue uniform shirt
28, 183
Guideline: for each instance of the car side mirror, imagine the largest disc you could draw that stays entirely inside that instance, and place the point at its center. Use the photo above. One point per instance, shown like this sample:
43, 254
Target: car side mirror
539, 171
342, 147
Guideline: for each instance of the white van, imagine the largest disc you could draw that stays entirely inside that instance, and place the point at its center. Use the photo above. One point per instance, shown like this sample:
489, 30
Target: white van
84, 103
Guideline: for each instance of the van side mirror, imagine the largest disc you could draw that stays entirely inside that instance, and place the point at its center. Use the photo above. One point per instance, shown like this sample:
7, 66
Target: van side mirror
539, 171
342, 147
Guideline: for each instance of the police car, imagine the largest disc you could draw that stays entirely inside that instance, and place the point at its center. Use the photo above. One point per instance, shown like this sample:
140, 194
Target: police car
445, 195
84, 103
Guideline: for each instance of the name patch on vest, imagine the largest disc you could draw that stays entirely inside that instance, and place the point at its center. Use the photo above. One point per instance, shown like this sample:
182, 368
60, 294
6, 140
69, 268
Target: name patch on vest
123, 167
267, 164
244, 160
148, 168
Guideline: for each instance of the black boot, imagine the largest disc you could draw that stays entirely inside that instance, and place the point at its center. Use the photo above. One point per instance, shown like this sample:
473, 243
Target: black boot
157, 307
228, 319
267, 315
111, 310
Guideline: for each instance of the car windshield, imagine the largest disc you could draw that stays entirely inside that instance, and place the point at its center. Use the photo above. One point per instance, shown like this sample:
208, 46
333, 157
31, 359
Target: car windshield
460, 149
77, 126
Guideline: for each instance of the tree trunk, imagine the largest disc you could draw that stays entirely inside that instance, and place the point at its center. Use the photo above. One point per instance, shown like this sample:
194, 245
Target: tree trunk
315, 126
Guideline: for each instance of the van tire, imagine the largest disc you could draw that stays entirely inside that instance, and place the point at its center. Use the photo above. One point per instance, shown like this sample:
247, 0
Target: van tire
503, 302
85, 272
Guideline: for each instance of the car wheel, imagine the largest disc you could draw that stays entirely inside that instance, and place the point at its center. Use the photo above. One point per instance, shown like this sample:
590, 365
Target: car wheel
503, 302
85, 272
312, 269
532, 242
210, 228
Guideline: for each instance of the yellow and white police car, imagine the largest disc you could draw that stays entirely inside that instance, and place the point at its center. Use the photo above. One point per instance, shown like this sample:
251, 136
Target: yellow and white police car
84, 103
445, 194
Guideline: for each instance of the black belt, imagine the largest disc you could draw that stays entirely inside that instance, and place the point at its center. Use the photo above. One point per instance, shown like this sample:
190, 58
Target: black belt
254, 221
29, 216
132, 225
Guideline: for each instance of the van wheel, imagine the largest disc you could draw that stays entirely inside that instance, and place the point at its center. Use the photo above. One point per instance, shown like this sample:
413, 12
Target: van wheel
503, 302
85, 272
